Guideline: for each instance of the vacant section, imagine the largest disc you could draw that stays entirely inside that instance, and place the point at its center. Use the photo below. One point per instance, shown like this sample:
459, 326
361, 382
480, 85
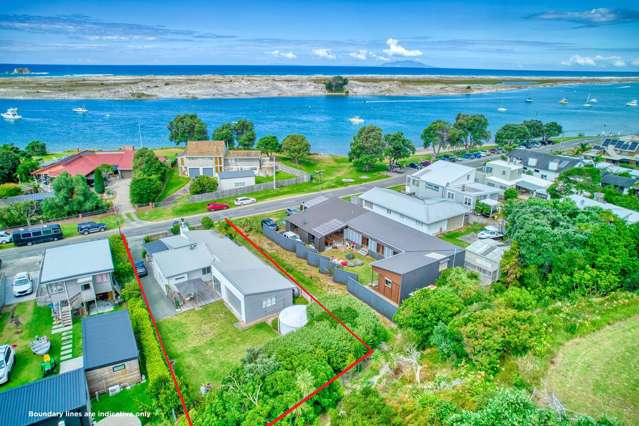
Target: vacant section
597, 374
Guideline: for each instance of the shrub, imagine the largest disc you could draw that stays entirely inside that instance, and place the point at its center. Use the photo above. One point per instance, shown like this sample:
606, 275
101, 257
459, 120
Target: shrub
19, 214
175, 229
145, 190
510, 194
98, 182
207, 222
10, 190
482, 209
203, 184
123, 270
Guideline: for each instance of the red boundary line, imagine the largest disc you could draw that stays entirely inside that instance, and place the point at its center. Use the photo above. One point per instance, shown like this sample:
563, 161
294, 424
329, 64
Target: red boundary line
157, 332
290, 277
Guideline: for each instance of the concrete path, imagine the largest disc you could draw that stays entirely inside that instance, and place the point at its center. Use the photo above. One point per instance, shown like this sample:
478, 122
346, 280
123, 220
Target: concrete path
161, 306
71, 364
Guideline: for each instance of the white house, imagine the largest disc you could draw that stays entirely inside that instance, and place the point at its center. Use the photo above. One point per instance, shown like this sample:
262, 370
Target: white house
235, 179
542, 165
209, 158
431, 216
505, 174
484, 257
628, 215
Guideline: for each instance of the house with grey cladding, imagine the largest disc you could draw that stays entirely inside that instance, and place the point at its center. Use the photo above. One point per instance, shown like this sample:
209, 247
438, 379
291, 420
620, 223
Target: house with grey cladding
77, 278
543, 165
198, 267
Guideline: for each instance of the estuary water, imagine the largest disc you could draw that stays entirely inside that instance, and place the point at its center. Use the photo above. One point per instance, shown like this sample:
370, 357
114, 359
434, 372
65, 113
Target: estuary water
109, 124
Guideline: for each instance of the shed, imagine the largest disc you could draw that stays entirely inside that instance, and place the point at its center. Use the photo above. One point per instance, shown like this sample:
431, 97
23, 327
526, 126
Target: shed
236, 179
110, 351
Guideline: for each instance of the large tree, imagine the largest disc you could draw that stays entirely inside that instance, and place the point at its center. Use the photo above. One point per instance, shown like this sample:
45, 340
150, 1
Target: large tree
440, 134
36, 148
145, 189
225, 133
336, 84
296, 147
367, 147
98, 181
512, 135
535, 128
473, 128
25, 168
72, 196
187, 127
203, 184
268, 145
9, 162
244, 134
551, 129
397, 146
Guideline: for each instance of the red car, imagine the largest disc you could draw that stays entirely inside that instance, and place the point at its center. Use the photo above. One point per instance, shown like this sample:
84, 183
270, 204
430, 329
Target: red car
213, 207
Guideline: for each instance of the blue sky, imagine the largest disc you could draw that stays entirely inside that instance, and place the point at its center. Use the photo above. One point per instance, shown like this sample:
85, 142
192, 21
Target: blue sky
521, 34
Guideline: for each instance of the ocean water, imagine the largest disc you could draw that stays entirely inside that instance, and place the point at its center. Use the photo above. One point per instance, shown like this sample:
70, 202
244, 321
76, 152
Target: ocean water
110, 124
87, 70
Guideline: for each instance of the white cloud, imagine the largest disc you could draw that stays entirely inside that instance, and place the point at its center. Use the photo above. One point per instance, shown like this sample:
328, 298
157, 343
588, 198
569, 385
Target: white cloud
281, 54
324, 53
363, 55
597, 16
395, 49
595, 61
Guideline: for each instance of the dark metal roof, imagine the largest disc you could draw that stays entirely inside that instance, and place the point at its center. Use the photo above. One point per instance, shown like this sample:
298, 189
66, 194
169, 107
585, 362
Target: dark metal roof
324, 212
616, 180
543, 160
60, 393
107, 339
235, 174
38, 196
156, 246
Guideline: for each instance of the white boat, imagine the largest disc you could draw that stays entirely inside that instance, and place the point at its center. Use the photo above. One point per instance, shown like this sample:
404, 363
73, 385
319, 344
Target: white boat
587, 104
563, 101
11, 114
593, 100
632, 103
356, 120
529, 100
80, 110
502, 109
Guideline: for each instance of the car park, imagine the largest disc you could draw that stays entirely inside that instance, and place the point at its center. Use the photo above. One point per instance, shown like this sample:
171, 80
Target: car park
5, 237
269, 223
7, 359
22, 284
141, 267
490, 232
86, 228
291, 236
242, 201
213, 207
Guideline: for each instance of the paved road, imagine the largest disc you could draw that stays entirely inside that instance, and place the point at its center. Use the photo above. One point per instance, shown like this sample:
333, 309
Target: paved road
139, 231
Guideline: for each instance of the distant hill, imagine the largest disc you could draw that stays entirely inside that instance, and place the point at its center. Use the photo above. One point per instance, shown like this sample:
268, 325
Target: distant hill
406, 64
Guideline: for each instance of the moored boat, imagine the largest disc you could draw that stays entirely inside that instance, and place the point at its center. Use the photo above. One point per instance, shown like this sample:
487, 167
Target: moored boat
11, 114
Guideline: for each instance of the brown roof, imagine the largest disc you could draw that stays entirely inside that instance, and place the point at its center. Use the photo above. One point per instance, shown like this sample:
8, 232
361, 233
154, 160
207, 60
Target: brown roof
244, 153
205, 149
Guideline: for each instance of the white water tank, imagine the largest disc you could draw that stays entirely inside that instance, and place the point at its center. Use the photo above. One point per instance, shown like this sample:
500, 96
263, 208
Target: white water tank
292, 318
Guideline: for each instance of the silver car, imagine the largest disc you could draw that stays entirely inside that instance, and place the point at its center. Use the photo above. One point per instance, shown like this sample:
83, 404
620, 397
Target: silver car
7, 359
22, 284
5, 237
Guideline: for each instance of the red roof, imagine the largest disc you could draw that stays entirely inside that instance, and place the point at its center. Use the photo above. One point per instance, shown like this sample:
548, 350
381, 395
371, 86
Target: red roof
85, 162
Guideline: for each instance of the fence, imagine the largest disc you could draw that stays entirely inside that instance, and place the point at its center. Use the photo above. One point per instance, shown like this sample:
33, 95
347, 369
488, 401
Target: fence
3, 289
223, 193
311, 255
371, 298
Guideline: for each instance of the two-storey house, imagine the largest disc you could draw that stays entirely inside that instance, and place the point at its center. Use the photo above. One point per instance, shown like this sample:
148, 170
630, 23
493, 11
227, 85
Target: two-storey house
210, 158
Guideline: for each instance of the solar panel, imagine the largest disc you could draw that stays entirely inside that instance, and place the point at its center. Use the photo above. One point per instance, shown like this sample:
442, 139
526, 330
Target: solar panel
633, 146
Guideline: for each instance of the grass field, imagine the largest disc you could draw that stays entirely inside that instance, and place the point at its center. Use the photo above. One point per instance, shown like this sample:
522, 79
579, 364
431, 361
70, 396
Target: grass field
205, 344
597, 374
132, 400
278, 176
453, 237
173, 183
32, 321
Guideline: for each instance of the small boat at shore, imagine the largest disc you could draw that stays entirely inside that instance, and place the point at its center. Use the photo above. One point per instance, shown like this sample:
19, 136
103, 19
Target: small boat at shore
356, 120
502, 109
563, 101
632, 103
80, 110
11, 114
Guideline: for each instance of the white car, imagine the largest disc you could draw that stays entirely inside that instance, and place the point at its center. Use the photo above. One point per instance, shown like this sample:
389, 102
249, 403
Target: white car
7, 359
242, 201
5, 237
291, 236
490, 232
22, 284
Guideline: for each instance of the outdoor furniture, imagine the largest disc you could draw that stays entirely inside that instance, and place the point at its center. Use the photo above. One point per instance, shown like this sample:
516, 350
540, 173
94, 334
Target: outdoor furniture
363, 251
47, 365
40, 345
350, 256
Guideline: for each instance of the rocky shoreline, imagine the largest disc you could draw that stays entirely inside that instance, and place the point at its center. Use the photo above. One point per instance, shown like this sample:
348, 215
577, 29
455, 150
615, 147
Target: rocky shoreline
242, 86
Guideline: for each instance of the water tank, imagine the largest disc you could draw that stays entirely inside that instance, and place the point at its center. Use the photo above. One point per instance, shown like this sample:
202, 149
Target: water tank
292, 318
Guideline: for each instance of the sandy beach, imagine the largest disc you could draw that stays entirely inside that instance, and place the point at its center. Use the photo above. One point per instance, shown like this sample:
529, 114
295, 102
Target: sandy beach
242, 86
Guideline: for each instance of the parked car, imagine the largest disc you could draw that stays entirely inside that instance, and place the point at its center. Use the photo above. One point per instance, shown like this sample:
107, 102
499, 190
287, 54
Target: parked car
425, 163
22, 284
5, 237
37, 234
242, 201
291, 236
413, 165
213, 207
490, 232
86, 228
269, 223
291, 210
141, 267
7, 359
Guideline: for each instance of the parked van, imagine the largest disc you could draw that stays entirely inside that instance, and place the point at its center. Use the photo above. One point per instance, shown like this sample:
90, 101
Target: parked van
37, 234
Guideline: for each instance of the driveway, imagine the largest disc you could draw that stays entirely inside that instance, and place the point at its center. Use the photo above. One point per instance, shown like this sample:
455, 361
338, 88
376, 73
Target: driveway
22, 264
161, 306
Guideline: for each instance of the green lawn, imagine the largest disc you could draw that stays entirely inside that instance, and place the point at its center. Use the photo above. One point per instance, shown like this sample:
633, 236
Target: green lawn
173, 183
206, 345
168, 152
453, 237
278, 176
30, 321
70, 229
597, 374
132, 400
364, 271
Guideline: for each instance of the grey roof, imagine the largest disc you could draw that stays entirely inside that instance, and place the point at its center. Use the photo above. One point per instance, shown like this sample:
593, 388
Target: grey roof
329, 227
76, 260
398, 235
38, 196
155, 246
616, 180
107, 339
315, 201
543, 159
406, 262
59, 393
442, 172
236, 174
488, 248
246, 272
427, 211
530, 186
181, 260
176, 241
323, 212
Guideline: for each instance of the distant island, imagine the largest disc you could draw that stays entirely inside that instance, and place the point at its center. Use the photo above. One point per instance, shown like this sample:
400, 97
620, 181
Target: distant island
406, 64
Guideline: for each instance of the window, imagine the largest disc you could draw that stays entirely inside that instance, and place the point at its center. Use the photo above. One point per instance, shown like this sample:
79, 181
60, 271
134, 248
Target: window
56, 288
206, 271
503, 172
443, 265
553, 165
267, 303
238, 184
467, 177
119, 367
468, 201
451, 195
431, 186
532, 162
46, 232
102, 278
388, 282
368, 204
389, 211
86, 287
488, 169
